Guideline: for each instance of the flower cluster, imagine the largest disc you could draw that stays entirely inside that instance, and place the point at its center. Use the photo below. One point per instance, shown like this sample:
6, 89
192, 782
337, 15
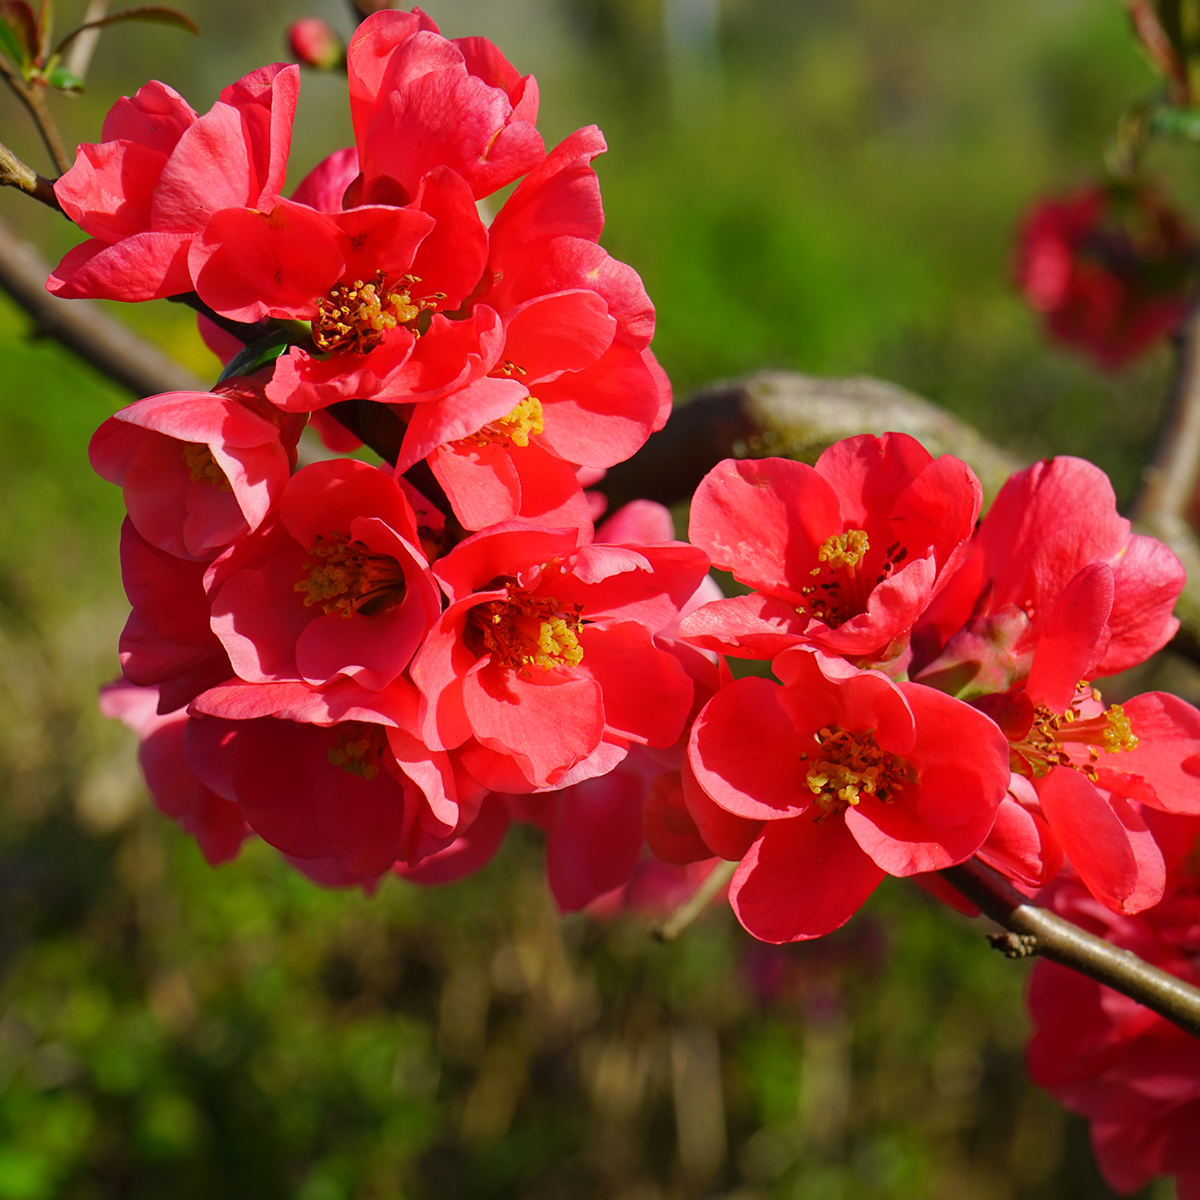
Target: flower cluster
375, 668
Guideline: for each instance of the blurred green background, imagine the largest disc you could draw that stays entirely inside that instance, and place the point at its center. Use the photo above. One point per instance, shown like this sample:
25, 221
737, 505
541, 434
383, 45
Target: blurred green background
825, 185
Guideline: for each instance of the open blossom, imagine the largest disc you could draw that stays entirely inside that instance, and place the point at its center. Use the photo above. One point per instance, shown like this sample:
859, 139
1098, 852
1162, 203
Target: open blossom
419, 101
326, 794
546, 653
844, 556
1076, 762
825, 784
1047, 524
336, 584
159, 175
1131, 1073
198, 469
1109, 268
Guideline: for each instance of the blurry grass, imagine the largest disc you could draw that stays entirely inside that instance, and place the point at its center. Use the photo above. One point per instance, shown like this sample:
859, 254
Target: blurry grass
841, 199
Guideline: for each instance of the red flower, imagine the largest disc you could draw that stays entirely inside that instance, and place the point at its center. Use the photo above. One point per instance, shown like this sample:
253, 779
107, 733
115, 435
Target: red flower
1110, 269
1086, 761
335, 585
198, 469
160, 174
547, 652
1132, 1074
215, 822
1048, 523
419, 101
826, 784
845, 556
329, 794
274, 748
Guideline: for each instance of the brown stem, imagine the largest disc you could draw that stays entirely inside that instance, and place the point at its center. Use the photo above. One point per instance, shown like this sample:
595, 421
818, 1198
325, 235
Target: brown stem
1035, 930
35, 101
15, 173
1169, 479
110, 347
695, 904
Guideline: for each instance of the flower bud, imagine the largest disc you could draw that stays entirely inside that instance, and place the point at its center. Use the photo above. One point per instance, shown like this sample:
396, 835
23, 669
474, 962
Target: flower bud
313, 43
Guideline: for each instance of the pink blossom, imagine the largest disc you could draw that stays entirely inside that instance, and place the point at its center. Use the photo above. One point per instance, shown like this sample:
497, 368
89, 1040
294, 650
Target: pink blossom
160, 174
844, 556
827, 783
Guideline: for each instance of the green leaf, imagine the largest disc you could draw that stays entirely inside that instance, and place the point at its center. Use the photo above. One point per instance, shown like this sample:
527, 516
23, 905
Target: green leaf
1183, 124
156, 14
19, 19
256, 355
11, 45
64, 80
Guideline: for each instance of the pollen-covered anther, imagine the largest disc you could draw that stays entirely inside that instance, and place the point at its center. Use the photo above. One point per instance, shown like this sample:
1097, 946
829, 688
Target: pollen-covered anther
525, 631
843, 592
353, 318
344, 577
524, 422
851, 767
843, 549
1046, 744
359, 756
205, 468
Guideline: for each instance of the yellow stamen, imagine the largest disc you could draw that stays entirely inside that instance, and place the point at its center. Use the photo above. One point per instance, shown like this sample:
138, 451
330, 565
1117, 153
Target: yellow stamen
526, 631
355, 757
844, 591
353, 318
852, 767
200, 461
345, 577
843, 549
1044, 746
525, 421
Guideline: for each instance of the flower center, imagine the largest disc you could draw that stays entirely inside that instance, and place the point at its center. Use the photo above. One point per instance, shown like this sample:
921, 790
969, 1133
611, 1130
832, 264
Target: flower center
850, 766
359, 756
345, 577
353, 318
525, 421
205, 468
844, 590
526, 631
1045, 745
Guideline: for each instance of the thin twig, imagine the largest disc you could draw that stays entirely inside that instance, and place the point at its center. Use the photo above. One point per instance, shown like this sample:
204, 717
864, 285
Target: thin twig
717, 879
1039, 931
110, 347
33, 96
15, 173
1170, 478
79, 57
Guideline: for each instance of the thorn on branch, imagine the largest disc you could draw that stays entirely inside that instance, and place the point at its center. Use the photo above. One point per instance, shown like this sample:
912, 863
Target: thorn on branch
1014, 945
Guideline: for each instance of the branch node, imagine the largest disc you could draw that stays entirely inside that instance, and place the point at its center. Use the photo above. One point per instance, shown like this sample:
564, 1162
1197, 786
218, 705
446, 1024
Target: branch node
1014, 945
